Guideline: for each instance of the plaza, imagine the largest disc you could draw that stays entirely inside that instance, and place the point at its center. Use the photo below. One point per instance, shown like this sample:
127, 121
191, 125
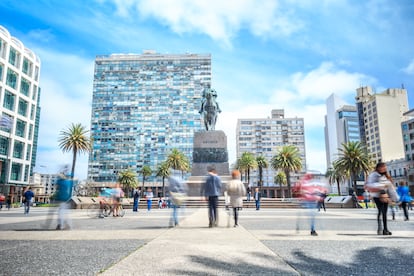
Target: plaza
266, 243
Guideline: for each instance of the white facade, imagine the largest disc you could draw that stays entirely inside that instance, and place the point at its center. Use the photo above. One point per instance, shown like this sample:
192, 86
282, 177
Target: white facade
19, 112
264, 136
380, 117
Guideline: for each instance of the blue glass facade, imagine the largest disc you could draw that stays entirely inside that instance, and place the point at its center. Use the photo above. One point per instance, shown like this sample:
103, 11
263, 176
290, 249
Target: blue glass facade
144, 106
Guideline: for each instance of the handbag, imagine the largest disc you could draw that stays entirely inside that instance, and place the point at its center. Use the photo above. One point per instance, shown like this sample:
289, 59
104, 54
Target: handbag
178, 198
384, 197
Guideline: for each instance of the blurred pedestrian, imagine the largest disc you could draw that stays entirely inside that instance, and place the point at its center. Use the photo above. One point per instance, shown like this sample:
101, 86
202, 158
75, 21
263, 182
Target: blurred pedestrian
8, 202
211, 190
236, 191
135, 196
62, 197
2, 200
379, 184
117, 195
178, 192
148, 196
405, 198
321, 201
27, 199
367, 199
249, 193
257, 197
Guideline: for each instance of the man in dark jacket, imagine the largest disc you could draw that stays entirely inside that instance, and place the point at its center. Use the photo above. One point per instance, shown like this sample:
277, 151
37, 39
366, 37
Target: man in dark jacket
211, 190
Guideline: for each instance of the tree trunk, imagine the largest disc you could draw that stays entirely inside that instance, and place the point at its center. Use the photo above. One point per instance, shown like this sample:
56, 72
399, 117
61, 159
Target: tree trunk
339, 187
163, 186
72, 173
289, 192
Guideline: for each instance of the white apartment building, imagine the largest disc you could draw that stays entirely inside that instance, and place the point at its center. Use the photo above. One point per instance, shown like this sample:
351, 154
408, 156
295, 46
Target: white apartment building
264, 136
19, 113
380, 117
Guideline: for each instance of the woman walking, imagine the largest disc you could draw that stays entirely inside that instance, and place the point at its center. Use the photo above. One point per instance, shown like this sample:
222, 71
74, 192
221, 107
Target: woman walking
236, 190
405, 198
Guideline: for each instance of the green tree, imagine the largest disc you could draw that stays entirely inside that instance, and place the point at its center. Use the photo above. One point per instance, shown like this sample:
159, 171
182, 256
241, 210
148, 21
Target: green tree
75, 139
176, 160
145, 172
353, 159
288, 160
261, 164
128, 180
163, 171
247, 162
280, 178
335, 175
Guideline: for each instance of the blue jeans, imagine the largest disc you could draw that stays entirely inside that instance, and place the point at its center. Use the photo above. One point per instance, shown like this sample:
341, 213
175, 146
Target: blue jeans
27, 206
135, 207
257, 204
311, 207
149, 204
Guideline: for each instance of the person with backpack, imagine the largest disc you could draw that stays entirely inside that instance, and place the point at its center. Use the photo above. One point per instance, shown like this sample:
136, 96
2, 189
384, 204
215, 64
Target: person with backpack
211, 190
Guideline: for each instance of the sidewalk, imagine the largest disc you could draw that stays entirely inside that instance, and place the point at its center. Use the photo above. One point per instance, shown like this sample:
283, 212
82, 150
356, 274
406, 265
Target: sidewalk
194, 249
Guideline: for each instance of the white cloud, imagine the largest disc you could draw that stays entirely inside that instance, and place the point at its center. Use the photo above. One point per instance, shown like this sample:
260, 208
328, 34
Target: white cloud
410, 68
221, 20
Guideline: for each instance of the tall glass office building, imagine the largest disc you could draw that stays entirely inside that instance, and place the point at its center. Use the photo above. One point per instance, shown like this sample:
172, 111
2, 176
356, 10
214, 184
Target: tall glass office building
19, 113
144, 106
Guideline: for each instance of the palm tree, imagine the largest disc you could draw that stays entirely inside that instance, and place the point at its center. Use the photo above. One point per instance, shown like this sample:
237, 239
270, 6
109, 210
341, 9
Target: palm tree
238, 166
261, 164
178, 161
163, 171
128, 180
353, 160
247, 163
287, 159
280, 178
145, 171
334, 174
74, 139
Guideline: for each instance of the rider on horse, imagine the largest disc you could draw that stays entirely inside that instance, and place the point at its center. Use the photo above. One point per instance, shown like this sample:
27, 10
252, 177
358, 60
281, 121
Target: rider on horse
210, 108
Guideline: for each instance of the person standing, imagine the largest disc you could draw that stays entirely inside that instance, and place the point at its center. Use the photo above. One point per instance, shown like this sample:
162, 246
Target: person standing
405, 198
117, 194
28, 196
321, 201
8, 202
148, 196
366, 198
236, 190
257, 197
379, 184
211, 191
135, 195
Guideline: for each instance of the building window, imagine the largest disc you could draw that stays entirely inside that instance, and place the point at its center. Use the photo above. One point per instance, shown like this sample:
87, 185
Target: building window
14, 57
2, 48
29, 149
20, 128
24, 87
18, 149
27, 67
22, 108
1, 72
16, 172
8, 101
4, 145
11, 79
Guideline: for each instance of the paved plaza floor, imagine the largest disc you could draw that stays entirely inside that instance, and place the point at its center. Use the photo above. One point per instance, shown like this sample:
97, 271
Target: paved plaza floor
267, 242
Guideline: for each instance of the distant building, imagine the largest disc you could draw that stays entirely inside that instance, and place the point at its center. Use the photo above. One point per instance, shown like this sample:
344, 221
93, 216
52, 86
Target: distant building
144, 106
341, 126
380, 117
407, 127
263, 137
19, 113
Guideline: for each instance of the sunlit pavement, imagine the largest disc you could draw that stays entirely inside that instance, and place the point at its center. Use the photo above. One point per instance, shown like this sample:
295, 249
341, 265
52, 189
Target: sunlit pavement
266, 243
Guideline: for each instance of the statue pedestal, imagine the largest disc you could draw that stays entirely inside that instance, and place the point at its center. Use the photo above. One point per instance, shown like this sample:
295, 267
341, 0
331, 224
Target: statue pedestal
209, 149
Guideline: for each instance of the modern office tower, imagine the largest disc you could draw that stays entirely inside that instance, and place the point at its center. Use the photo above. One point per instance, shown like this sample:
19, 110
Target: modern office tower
380, 117
408, 140
341, 126
264, 136
19, 113
144, 106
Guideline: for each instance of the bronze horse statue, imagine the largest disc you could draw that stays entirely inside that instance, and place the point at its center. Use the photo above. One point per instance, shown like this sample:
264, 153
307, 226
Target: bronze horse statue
210, 109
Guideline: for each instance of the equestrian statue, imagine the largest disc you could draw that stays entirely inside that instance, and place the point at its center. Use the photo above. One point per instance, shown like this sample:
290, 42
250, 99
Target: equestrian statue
209, 108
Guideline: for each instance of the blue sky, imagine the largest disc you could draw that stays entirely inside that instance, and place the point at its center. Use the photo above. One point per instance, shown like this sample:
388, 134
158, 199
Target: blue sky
265, 54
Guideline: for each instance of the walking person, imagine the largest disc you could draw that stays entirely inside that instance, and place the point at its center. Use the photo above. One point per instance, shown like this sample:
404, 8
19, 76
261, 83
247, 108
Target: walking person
321, 201
8, 202
148, 196
211, 190
366, 196
135, 196
2, 200
405, 198
28, 196
236, 191
257, 196
117, 194
178, 191
379, 184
